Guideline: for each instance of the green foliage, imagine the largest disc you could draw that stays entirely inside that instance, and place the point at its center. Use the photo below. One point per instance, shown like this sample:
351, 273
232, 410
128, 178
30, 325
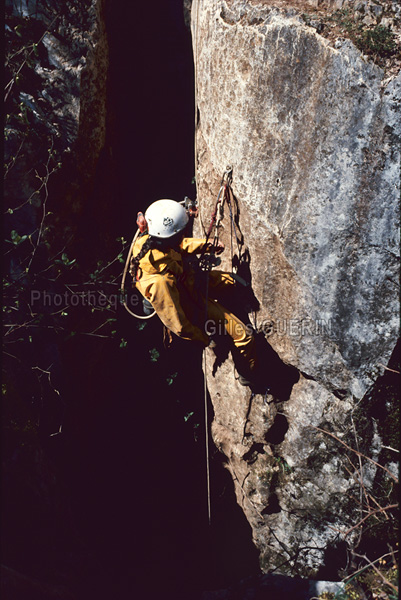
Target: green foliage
376, 580
282, 463
170, 379
16, 239
154, 355
378, 42
65, 261
38, 257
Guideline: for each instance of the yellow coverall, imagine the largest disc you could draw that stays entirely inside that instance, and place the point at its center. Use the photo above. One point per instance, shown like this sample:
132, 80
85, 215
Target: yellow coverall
180, 304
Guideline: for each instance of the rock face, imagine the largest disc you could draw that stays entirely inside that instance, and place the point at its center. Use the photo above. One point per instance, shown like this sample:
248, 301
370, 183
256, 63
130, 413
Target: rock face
312, 134
62, 94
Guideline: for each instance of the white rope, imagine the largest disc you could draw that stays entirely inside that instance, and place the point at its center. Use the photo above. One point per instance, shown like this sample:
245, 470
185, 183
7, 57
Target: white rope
209, 511
123, 282
196, 59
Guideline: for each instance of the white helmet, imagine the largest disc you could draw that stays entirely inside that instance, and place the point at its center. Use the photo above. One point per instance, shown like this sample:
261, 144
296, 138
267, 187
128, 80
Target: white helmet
165, 218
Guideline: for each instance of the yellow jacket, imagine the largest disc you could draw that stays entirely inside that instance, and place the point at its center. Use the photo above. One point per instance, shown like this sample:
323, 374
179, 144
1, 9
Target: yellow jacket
157, 281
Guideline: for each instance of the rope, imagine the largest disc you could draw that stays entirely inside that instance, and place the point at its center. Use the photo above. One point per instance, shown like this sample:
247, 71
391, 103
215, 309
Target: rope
209, 512
196, 61
127, 262
233, 226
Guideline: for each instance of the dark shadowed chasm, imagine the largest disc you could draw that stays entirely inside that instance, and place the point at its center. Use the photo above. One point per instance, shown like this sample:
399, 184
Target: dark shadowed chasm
136, 468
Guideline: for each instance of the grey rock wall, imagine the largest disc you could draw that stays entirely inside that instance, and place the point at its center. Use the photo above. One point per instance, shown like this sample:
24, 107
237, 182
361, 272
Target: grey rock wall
63, 91
312, 132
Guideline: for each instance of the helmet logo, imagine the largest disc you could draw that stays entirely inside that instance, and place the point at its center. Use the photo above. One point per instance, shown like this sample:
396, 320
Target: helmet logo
168, 222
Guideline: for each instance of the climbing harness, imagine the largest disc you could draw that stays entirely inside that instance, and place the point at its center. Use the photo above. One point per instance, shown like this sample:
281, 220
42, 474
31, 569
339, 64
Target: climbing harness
218, 213
192, 208
225, 197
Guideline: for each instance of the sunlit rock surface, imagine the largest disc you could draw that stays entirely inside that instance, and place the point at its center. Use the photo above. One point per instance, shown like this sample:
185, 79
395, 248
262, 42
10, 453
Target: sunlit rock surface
312, 132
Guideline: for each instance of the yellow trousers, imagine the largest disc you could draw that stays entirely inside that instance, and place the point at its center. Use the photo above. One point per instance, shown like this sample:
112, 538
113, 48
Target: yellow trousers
221, 284
181, 308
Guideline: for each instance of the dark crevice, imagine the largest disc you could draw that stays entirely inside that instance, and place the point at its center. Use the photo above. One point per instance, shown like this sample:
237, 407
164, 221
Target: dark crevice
337, 392
306, 376
278, 375
150, 451
252, 455
273, 506
277, 431
335, 559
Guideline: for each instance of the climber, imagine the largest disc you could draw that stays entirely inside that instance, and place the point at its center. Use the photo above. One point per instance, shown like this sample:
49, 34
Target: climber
165, 273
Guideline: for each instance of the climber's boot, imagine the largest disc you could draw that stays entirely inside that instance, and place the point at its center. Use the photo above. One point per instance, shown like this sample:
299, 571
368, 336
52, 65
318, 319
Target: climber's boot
245, 381
246, 372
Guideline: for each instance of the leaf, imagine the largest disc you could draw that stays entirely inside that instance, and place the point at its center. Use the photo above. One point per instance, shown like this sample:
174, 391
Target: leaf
154, 355
170, 379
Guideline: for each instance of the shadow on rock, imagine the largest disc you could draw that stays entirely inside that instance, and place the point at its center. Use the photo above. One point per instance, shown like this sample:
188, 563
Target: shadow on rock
273, 376
276, 376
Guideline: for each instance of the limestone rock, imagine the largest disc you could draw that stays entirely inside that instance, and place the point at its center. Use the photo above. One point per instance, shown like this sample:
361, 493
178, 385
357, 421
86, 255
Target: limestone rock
313, 136
66, 103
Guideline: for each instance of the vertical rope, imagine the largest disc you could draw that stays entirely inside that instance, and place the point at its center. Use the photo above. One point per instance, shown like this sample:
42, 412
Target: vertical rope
209, 511
195, 52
